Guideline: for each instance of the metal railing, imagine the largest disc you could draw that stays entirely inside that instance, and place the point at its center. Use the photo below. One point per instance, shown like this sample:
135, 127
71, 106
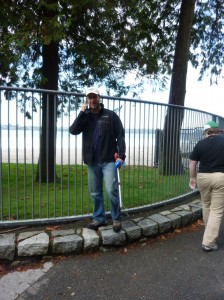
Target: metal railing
29, 121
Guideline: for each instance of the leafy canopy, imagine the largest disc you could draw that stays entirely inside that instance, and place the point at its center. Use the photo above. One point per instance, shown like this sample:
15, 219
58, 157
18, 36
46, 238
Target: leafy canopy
101, 41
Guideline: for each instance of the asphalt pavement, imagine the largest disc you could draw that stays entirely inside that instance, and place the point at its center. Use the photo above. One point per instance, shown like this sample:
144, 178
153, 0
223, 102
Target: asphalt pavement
171, 266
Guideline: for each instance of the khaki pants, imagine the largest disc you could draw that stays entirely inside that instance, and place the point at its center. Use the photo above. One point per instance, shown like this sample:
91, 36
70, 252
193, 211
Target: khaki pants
211, 187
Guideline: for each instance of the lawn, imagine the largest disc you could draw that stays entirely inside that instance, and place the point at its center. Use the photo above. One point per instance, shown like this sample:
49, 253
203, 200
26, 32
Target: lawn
21, 197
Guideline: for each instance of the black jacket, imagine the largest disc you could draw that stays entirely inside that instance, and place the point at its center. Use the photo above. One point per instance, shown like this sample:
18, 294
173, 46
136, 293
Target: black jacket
111, 135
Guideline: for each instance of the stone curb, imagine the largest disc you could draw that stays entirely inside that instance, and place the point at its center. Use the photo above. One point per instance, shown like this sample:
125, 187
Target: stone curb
83, 240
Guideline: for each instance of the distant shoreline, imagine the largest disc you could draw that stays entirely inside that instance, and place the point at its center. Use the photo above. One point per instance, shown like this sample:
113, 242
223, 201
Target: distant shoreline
37, 128
64, 157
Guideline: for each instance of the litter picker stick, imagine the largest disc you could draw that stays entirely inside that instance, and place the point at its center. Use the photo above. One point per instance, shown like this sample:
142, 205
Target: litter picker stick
119, 188
117, 166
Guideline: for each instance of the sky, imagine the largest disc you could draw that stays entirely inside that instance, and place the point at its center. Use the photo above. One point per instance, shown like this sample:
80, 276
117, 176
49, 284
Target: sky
199, 94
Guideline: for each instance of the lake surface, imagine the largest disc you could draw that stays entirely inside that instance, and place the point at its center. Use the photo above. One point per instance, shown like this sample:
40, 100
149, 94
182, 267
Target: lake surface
24, 146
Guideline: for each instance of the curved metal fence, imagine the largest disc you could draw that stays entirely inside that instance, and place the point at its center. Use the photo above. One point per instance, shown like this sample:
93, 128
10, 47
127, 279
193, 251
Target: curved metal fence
43, 178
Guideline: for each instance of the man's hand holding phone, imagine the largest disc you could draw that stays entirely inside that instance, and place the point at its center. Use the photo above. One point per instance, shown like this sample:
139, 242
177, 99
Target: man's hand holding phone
84, 106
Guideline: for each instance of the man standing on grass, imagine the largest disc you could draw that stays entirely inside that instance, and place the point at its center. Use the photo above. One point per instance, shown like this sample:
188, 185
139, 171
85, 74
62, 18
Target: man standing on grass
103, 136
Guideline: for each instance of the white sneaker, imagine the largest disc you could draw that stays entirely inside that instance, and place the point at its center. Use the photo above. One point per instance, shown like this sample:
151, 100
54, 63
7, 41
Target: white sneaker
210, 248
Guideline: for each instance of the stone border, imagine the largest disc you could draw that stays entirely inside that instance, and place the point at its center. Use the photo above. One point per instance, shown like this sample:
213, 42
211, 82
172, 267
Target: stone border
83, 240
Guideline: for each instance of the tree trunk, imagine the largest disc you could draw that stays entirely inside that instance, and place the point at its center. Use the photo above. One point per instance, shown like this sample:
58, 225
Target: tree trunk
170, 158
47, 159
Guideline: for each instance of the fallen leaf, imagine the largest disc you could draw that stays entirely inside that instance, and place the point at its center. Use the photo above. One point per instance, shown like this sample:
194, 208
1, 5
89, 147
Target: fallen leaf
200, 222
162, 237
133, 276
178, 230
52, 228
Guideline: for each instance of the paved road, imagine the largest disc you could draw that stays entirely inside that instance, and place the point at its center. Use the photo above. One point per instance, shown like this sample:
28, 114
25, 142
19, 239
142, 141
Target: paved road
175, 268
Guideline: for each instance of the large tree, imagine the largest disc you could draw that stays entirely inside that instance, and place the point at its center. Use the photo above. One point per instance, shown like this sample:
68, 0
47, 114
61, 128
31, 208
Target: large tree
170, 152
69, 45
199, 40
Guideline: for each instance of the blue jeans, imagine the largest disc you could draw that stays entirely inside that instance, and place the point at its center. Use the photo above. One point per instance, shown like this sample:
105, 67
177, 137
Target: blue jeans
97, 173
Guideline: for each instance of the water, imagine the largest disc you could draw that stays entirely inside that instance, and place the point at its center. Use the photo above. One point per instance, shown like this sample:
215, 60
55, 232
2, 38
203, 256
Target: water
24, 146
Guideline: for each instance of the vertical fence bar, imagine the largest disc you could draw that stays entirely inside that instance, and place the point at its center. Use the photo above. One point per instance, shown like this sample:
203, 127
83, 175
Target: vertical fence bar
129, 153
53, 98
47, 158
69, 154
124, 170
1, 181
39, 158
75, 173
24, 158
62, 161
17, 158
32, 155
9, 163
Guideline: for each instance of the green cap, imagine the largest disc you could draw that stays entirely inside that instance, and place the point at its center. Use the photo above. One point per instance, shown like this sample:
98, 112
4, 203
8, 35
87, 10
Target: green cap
210, 124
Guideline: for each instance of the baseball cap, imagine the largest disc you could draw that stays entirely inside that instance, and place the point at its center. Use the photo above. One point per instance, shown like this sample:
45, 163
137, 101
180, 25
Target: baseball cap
92, 90
210, 124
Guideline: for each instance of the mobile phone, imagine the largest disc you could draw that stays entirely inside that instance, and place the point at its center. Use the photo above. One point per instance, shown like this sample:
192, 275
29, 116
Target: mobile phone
87, 106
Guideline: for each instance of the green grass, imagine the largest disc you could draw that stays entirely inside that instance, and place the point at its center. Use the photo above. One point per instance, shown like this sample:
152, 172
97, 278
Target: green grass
22, 198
